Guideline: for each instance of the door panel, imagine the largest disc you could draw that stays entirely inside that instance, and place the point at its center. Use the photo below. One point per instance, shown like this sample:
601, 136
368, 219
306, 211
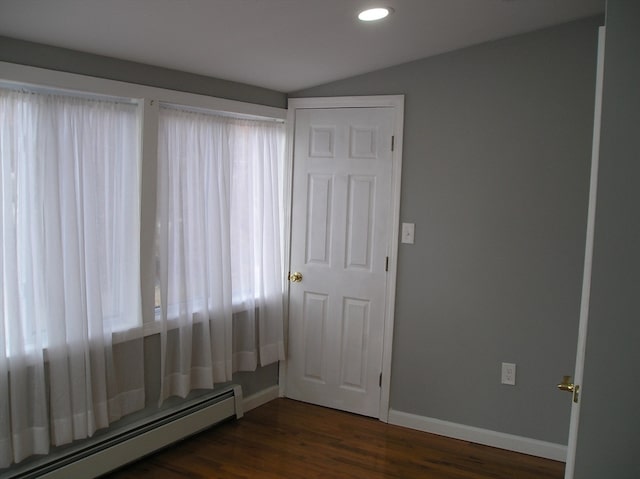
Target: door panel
319, 212
355, 333
340, 241
360, 221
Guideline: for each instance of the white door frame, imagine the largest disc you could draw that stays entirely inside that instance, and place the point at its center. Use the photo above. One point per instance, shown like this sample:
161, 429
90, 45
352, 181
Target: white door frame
588, 260
389, 101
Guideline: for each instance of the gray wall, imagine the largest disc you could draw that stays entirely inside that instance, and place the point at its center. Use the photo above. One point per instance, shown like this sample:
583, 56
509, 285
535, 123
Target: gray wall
71, 61
609, 433
496, 167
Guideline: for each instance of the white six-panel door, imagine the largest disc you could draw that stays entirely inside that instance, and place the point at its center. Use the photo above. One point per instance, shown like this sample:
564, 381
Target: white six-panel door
341, 231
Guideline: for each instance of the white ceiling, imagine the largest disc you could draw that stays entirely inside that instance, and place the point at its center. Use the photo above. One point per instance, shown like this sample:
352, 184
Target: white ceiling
285, 45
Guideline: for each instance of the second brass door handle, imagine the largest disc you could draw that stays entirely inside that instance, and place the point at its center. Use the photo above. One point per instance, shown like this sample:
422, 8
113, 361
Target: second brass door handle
568, 386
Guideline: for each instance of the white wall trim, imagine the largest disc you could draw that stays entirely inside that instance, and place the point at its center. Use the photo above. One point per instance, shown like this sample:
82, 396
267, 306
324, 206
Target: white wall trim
510, 442
13, 73
260, 398
374, 101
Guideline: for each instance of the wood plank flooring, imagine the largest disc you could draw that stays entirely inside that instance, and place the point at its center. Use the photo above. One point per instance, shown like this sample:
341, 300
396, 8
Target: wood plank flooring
289, 439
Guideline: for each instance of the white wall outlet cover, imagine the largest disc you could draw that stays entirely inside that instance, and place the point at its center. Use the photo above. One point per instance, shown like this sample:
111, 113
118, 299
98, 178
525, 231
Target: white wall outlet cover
408, 232
509, 374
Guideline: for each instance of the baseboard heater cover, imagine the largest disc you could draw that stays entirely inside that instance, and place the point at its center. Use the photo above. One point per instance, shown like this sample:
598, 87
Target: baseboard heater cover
141, 438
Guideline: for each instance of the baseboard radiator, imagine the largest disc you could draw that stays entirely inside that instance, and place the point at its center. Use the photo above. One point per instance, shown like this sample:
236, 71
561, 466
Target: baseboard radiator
140, 438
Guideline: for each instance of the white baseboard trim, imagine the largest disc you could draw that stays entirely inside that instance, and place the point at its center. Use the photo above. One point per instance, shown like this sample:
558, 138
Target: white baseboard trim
260, 398
510, 442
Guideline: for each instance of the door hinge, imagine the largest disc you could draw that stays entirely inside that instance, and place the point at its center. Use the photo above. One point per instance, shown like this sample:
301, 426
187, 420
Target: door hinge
386, 264
380, 380
393, 142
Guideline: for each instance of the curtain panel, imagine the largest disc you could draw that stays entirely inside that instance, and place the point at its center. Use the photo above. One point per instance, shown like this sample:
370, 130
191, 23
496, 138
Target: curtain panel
219, 246
69, 268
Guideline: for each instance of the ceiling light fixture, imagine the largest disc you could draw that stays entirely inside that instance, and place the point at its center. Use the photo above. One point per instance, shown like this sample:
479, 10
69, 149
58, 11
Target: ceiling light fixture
373, 14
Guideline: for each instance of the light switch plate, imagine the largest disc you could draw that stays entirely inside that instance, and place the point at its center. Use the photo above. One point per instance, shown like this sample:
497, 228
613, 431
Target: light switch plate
408, 232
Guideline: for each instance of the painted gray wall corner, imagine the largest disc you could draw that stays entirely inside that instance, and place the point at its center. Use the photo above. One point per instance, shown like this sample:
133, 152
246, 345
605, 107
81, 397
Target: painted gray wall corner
497, 148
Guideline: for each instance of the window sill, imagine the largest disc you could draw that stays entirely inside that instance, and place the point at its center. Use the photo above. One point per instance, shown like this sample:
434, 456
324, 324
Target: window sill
155, 327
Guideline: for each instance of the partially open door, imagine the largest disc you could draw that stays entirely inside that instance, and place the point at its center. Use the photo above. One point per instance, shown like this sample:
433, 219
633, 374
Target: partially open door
575, 386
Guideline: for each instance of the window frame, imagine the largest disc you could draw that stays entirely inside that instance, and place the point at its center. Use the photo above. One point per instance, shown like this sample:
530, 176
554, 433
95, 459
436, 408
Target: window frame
149, 100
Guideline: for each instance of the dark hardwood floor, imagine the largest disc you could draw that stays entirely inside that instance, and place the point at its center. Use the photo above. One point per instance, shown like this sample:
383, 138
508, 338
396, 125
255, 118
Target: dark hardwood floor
289, 439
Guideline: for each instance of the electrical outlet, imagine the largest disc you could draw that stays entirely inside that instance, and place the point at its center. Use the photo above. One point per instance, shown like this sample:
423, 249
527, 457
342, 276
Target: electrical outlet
509, 374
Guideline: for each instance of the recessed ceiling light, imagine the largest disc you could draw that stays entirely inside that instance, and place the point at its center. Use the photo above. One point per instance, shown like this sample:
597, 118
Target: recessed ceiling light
373, 14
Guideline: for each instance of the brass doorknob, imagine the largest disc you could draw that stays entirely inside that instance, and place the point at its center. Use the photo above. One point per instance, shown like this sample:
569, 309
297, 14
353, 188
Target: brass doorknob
295, 277
568, 386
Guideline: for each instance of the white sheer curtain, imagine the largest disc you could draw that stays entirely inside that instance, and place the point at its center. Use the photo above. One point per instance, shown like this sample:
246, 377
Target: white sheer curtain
219, 246
69, 269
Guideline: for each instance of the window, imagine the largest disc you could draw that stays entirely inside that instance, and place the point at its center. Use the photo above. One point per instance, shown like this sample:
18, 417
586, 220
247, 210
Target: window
70, 217
220, 227
220, 201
